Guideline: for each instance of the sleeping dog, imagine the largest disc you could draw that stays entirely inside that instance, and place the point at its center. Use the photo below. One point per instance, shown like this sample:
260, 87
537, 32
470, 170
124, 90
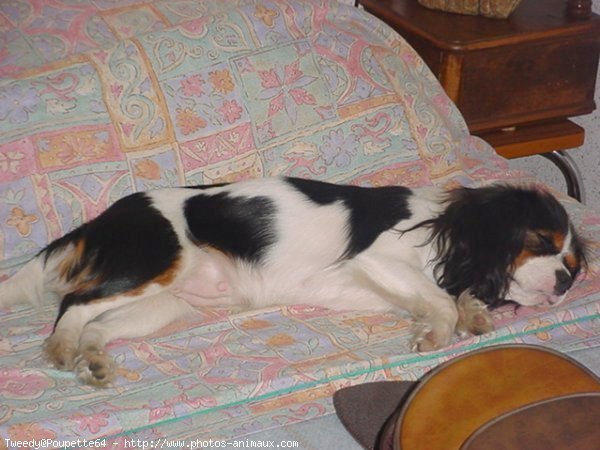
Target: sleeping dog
445, 257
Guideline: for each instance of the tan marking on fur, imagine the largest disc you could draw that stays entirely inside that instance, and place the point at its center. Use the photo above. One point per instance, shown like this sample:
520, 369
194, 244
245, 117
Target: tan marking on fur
164, 279
169, 275
522, 258
83, 280
571, 261
558, 239
72, 259
84, 283
101, 300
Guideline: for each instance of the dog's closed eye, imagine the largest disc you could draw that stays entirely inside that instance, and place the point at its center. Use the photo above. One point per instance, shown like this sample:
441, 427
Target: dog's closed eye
546, 243
543, 242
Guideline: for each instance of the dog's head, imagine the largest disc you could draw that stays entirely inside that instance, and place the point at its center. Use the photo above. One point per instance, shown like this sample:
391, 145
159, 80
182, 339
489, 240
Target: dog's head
506, 243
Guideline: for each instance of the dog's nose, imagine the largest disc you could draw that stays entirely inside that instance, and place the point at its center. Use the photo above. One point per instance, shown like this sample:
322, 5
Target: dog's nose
563, 282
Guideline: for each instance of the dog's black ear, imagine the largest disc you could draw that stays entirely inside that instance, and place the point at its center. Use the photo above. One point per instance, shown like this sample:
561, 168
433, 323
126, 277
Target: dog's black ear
477, 239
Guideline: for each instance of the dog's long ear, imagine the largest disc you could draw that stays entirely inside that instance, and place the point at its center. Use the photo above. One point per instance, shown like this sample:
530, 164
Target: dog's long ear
477, 238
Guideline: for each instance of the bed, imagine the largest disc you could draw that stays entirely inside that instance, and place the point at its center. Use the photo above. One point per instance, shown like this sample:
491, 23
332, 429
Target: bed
102, 98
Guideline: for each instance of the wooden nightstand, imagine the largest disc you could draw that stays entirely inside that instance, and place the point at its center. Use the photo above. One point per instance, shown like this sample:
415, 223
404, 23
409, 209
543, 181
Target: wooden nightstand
516, 81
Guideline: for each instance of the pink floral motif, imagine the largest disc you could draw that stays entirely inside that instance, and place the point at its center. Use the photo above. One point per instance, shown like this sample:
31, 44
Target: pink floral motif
277, 104
197, 402
269, 79
301, 97
93, 423
160, 412
18, 384
285, 89
292, 73
231, 110
192, 85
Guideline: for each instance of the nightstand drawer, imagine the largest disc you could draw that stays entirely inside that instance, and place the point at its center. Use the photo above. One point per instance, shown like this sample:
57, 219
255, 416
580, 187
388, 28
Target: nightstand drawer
536, 66
514, 85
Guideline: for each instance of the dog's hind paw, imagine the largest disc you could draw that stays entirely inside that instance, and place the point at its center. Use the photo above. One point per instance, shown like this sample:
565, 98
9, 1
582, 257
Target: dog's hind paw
427, 338
95, 367
473, 316
60, 351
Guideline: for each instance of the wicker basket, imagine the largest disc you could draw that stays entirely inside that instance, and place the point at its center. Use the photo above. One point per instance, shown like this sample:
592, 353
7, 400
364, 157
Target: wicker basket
496, 9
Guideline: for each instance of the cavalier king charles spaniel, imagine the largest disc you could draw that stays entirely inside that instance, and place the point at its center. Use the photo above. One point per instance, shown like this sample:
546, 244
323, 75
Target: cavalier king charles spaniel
445, 257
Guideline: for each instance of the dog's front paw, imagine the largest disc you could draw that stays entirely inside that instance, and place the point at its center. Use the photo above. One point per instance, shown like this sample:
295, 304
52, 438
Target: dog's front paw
473, 316
60, 351
427, 338
95, 367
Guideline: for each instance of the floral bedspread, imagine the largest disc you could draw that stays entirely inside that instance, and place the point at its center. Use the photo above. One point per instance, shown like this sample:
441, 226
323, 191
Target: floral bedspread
102, 98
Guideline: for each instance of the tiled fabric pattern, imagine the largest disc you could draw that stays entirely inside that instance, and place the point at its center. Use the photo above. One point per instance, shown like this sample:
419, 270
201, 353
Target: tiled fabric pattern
102, 98
234, 92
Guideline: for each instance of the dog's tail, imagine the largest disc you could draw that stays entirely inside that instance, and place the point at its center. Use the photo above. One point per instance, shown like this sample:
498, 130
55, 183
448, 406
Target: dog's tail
25, 286
44, 277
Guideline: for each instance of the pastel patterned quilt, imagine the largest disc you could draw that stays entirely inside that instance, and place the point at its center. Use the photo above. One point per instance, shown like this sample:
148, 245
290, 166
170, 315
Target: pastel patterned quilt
102, 98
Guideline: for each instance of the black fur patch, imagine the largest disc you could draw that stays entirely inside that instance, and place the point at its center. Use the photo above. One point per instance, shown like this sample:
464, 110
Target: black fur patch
481, 233
239, 226
129, 244
202, 187
372, 210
